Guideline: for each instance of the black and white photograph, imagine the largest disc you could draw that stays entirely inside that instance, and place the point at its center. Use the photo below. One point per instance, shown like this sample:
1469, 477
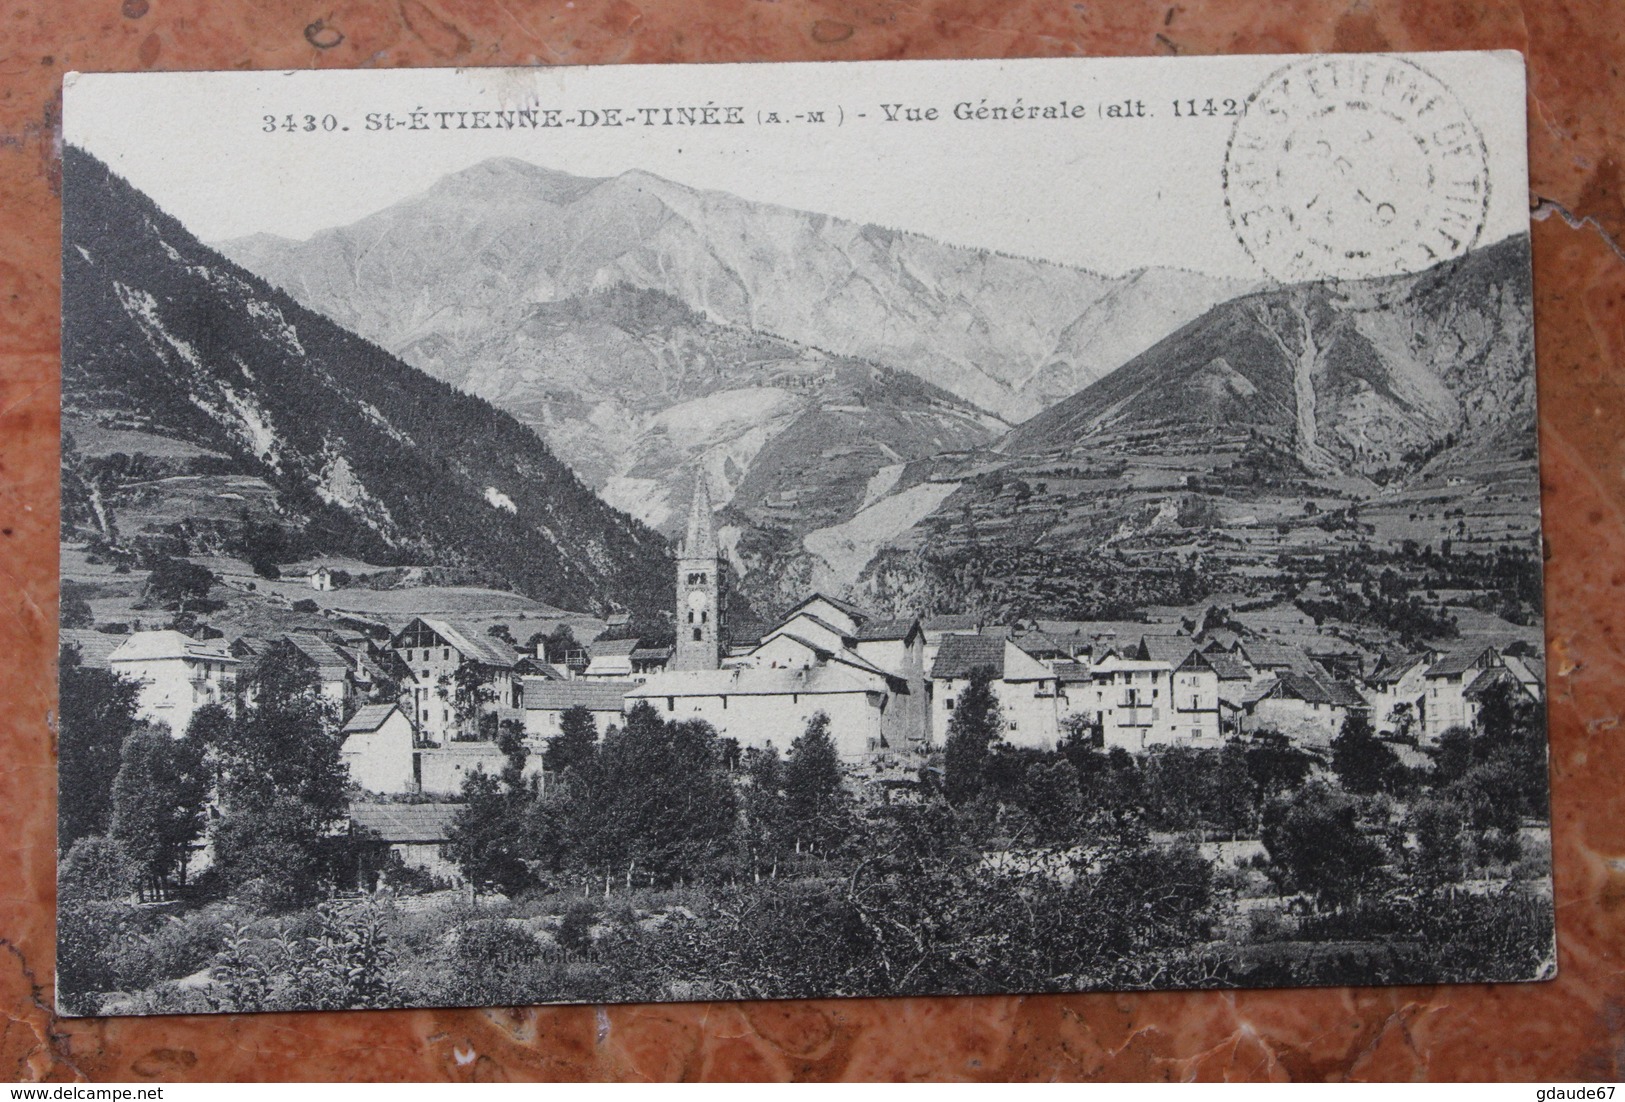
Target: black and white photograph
707, 532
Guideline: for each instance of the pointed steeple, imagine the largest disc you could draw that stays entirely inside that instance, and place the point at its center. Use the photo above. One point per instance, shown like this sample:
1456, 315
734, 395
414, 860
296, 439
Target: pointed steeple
700, 542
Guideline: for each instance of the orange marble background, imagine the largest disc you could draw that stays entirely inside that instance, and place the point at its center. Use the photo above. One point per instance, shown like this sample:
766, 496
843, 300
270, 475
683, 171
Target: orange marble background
1572, 1028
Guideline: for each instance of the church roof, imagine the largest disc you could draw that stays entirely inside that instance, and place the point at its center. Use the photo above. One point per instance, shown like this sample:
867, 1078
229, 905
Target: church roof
700, 538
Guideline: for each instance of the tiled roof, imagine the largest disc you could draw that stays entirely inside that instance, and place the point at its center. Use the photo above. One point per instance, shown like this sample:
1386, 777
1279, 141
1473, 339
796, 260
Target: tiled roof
369, 717
555, 696
960, 654
1275, 655
852, 610
651, 654
329, 663
420, 823
149, 645
1072, 673
94, 646
1228, 666
613, 648
956, 622
1486, 679
531, 666
1172, 649
886, 629
471, 644
1316, 691
1393, 668
1456, 662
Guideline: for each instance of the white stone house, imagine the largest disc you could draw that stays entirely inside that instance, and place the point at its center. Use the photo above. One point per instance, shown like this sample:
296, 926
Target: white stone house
432, 651
1027, 689
178, 675
1397, 688
611, 659
379, 750
1447, 681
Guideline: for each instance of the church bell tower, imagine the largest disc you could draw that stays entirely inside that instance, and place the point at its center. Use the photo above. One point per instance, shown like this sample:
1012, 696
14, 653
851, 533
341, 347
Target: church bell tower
701, 596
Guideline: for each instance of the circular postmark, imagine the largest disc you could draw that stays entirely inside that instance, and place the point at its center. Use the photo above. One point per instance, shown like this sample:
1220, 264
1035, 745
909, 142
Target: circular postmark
1354, 167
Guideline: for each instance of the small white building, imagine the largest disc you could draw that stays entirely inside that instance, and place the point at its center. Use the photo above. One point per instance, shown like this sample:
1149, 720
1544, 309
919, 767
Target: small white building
611, 659
178, 675
321, 579
379, 750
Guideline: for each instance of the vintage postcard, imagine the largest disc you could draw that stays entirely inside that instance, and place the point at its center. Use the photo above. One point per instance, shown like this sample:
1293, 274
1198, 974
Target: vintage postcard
763, 531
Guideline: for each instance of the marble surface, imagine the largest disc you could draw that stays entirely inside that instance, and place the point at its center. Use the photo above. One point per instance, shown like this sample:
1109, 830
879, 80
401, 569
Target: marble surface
1571, 1028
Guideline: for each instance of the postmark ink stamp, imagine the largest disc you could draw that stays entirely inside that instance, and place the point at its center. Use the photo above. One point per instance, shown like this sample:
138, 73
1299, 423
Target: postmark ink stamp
1353, 167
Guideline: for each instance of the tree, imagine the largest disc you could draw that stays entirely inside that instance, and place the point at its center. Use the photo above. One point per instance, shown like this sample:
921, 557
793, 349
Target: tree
177, 584
1316, 844
974, 728
502, 632
487, 836
654, 799
1364, 764
561, 642
158, 800
1051, 795
812, 784
95, 714
76, 611
282, 784
573, 745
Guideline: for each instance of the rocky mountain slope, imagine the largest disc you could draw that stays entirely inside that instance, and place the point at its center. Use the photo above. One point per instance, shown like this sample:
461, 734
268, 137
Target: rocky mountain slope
1387, 414
435, 277
1356, 380
164, 339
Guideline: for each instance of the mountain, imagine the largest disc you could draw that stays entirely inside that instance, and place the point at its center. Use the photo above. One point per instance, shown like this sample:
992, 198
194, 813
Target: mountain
435, 278
168, 344
1348, 379
1305, 421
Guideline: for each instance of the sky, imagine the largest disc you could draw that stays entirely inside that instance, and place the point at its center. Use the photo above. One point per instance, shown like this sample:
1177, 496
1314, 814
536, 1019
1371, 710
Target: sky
1125, 185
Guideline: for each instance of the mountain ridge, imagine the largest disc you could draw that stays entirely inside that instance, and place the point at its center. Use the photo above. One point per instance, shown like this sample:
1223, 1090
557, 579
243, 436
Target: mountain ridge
367, 455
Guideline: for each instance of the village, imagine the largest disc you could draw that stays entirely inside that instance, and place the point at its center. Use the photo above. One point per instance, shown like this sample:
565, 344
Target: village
418, 707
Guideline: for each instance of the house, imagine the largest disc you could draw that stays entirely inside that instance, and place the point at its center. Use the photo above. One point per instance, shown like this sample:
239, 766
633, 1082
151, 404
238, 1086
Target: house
94, 647
321, 579
1026, 688
378, 749
936, 627
432, 651
1234, 675
649, 660
1397, 693
611, 659
415, 833
335, 674
178, 675
1447, 681
547, 700
1309, 711
1530, 670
